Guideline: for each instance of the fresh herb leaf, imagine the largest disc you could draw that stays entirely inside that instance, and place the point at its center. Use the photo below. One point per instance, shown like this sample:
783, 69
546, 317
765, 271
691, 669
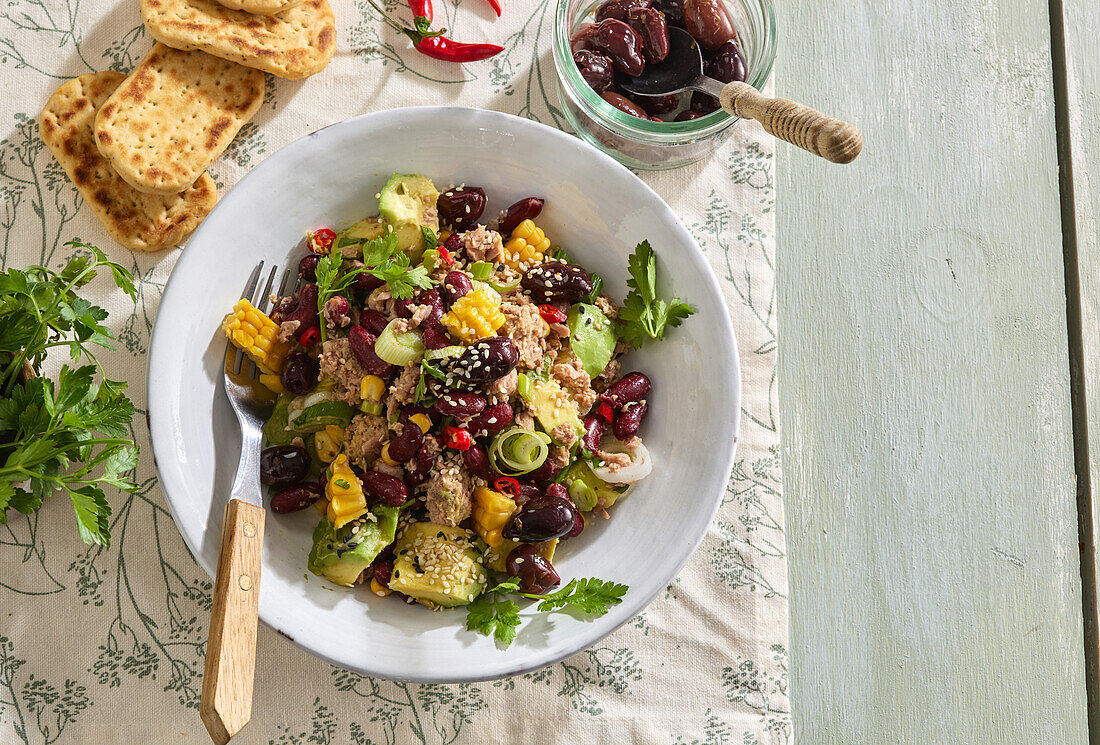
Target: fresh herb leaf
342, 483
402, 280
432, 370
380, 250
597, 287
495, 615
92, 513
431, 240
491, 614
421, 389
644, 316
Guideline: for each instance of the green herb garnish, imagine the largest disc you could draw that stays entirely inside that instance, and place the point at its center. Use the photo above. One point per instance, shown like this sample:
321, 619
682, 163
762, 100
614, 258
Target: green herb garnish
644, 316
69, 435
342, 483
493, 614
431, 240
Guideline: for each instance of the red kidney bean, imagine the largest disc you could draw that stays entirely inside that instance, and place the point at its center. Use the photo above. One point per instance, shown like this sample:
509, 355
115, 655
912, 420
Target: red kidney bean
627, 422
728, 64
536, 574
657, 105
618, 9
283, 465
673, 10
383, 570
619, 42
434, 300
307, 267
593, 433
362, 346
548, 470
527, 492
403, 307
435, 337
525, 209
364, 281
557, 490
687, 115
704, 103
709, 22
425, 459
478, 462
595, 68
624, 104
407, 444
554, 281
579, 39
337, 309
300, 373
388, 489
295, 498
492, 420
460, 208
632, 387
305, 312
373, 321
578, 527
650, 25
461, 405
541, 519
455, 285
453, 244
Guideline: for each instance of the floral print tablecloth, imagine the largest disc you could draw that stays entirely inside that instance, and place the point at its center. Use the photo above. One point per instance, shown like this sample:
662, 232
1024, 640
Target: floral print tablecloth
101, 646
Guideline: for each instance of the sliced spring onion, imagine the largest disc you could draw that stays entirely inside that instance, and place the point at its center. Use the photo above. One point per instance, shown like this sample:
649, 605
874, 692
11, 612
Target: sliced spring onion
481, 270
505, 286
444, 353
494, 296
430, 258
371, 407
399, 349
583, 495
524, 387
318, 416
517, 451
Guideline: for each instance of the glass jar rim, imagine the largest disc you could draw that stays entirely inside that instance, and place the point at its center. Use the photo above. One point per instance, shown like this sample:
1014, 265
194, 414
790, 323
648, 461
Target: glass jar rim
667, 133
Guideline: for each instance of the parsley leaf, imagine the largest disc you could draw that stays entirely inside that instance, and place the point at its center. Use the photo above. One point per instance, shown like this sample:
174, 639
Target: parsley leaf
380, 250
342, 483
494, 615
491, 614
402, 280
644, 316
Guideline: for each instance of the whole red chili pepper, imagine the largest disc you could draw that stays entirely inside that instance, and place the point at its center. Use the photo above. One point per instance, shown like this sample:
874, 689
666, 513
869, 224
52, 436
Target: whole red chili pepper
422, 9
495, 5
433, 43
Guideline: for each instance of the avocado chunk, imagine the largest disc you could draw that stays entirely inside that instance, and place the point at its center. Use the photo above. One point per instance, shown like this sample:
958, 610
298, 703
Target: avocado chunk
438, 565
408, 202
341, 555
592, 337
553, 407
277, 429
360, 232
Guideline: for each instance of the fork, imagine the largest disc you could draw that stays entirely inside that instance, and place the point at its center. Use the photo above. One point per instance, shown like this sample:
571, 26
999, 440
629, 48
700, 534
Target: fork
226, 704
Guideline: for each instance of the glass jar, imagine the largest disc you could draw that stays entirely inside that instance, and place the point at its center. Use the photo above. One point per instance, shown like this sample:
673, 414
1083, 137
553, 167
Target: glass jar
649, 145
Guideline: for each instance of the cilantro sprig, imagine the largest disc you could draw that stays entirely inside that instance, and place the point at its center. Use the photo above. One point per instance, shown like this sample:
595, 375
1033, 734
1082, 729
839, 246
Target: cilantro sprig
644, 316
495, 614
381, 259
67, 435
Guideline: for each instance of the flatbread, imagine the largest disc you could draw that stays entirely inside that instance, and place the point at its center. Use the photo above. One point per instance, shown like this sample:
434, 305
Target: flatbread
294, 44
263, 7
174, 116
140, 222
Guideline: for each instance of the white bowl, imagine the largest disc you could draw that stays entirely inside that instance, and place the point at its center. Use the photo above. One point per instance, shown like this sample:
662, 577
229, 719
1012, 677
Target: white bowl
597, 210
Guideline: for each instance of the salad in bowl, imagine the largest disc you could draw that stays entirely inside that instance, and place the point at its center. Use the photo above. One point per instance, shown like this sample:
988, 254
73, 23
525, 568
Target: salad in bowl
455, 399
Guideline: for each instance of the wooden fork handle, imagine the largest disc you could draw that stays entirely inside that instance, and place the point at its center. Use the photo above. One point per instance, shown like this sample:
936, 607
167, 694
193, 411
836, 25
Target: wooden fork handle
821, 134
231, 647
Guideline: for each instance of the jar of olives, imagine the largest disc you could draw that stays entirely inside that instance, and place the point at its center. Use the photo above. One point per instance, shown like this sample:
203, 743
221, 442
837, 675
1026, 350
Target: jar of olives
597, 41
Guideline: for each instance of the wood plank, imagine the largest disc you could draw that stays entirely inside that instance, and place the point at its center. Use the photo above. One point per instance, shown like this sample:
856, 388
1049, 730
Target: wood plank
927, 446
1081, 149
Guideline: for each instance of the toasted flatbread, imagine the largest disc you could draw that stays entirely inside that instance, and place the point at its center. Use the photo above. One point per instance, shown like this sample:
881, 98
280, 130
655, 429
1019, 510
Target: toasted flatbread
294, 44
140, 222
173, 116
263, 7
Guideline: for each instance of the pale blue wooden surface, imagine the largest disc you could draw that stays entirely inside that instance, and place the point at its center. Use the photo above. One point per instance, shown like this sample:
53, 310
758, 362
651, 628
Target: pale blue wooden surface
927, 445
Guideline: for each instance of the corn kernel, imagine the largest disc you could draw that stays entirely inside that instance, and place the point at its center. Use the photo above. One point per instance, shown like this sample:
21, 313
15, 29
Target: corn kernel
328, 442
474, 316
422, 421
378, 589
491, 513
272, 382
257, 335
386, 456
372, 388
527, 245
345, 493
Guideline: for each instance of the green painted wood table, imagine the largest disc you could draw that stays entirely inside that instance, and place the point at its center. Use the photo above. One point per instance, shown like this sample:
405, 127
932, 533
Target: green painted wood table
939, 309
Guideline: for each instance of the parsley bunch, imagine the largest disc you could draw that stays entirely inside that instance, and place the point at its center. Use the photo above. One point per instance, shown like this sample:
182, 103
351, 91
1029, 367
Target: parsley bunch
381, 259
66, 435
644, 316
494, 614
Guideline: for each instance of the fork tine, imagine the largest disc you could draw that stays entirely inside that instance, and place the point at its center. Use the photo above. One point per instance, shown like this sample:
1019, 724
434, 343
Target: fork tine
288, 282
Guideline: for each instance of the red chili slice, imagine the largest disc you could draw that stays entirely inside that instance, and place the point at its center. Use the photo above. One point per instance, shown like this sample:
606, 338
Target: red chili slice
320, 240
457, 438
507, 485
310, 336
552, 314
